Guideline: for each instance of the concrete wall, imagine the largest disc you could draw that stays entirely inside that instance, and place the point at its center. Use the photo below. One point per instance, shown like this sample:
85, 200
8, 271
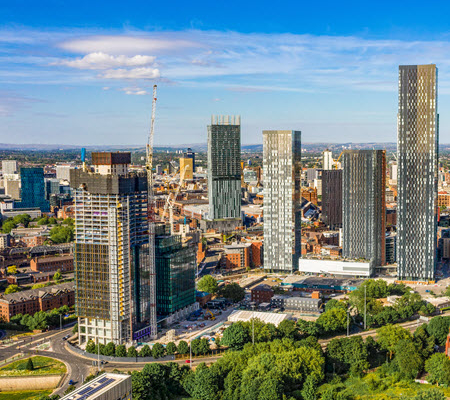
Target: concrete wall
29, 382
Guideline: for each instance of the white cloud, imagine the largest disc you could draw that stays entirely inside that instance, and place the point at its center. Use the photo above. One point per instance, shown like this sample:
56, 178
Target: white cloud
126, 44
134, 73
134, 91
101, 60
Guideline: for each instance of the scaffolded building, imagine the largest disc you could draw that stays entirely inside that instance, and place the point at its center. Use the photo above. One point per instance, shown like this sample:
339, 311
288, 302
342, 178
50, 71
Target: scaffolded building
111, 254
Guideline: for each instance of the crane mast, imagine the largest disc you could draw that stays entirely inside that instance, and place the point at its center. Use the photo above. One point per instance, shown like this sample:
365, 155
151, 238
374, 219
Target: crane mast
151, 221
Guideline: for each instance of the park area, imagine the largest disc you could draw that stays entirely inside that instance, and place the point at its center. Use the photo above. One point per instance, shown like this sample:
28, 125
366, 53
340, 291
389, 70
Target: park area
39, 366
24, 395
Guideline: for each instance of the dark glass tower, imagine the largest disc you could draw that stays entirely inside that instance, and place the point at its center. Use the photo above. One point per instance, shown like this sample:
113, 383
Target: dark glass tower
33, 193
364, 205
332, 198
418, 138
224, 167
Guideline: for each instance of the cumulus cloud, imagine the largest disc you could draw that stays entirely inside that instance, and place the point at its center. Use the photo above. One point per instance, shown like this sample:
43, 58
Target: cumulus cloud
100, 60
133, 73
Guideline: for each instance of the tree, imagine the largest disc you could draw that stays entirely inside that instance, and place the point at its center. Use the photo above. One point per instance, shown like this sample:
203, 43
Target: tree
288, 329
171, 348
12, 289
12, 270
233, 292
207, 284
439, 328
333, 303
57, 276
30, 366
121, 350
347, 354
424, 342
62, 234
438, 368
430, 394
90, 347
109, 350
309, 328
389, 335
333, 320
195, 346
408, 359
235, 336
75, 329
132, 352
146, 351
183, 347
158, 350
204, 347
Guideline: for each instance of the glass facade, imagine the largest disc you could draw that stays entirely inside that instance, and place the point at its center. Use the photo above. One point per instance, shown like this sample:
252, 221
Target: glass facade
417, 147
364, 205
332, 198
282, 215
33, 193
175, 272
224, 167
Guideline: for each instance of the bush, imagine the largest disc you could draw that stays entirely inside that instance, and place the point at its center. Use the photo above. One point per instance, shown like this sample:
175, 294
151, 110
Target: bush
132, 352
145, 351
158, 350
171, 348
121, 350
30, 366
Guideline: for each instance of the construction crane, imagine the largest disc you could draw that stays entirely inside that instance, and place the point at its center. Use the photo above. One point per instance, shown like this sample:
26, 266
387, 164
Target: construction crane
171, 202
337, 161
151, 221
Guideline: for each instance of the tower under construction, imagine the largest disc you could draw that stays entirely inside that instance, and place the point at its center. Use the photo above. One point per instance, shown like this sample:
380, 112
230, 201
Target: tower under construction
111, 251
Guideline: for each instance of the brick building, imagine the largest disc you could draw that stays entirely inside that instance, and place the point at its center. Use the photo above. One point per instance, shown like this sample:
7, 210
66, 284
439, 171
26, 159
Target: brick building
49, 264
238, 255
32, 301
257, 254
32, 241
262, 294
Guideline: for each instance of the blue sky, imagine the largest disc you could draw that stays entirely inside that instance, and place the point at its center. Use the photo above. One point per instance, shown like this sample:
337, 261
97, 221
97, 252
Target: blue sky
79, 72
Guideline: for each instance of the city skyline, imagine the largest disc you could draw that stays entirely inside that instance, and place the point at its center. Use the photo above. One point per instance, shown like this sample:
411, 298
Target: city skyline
62, 82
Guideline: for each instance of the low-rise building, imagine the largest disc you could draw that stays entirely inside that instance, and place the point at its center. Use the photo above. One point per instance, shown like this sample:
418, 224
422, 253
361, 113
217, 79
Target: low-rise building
34, 300
104, 387
237, 255
50, 264
297, 303
266, 317
4, 241
262, 294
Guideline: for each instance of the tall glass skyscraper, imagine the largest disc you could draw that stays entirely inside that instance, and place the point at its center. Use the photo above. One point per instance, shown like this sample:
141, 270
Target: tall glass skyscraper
224, 167
282, 215
417, 147
33, 193
364, 206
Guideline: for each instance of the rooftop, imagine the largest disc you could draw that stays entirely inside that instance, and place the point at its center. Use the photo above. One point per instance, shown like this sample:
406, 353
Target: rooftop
267, 317
98, 387
36, 293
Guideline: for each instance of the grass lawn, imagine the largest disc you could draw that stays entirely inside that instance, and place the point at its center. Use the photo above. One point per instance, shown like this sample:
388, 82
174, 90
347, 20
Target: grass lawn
42, 366
24, 395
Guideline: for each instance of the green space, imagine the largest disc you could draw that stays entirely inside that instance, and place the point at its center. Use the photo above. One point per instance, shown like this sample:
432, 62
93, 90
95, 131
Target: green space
24, 395
38, 366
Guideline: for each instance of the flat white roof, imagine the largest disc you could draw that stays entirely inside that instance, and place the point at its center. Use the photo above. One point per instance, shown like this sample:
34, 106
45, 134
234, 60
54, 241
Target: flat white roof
267, 317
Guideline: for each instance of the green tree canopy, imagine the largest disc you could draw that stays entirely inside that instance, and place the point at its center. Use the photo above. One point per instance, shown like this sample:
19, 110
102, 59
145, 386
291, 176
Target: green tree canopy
12, 269
171, 348
235, 336
390, 335
207, 284
183, 347
158, 350
233, 292
121, 350
334, 320
438, 368
439, 328
12, 289
62, 234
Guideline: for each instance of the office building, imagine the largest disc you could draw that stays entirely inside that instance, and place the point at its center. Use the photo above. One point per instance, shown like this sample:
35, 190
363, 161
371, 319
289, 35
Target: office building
32, 192
9, 167
12, 188
186, 169
111, 254
224, 167
63, 171
175, 272
417, 152
364, 205
312, 173
108, 386
282, 213
327, 160
52, 186
332, 198
190, 154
